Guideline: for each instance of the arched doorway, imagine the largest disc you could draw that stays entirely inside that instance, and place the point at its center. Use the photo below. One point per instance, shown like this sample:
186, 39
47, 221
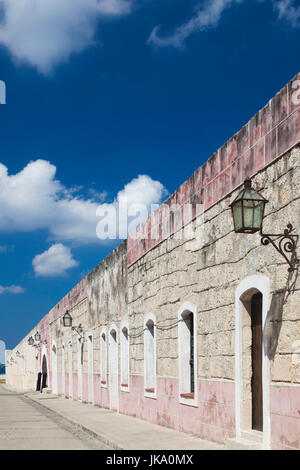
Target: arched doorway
251, 360
113, 370
256, 362
44, 366
44, 372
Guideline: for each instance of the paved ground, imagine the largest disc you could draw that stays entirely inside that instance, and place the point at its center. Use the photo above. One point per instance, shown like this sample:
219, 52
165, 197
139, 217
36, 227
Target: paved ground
44, 421
26, 425
119, 431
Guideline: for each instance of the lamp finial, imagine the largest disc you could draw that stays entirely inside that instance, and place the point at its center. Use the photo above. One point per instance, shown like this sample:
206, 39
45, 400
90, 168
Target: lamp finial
247, 183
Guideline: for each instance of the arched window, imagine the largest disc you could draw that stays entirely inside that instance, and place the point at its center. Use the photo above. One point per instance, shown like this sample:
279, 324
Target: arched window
150, 357
187, 352
103, 359
124, 358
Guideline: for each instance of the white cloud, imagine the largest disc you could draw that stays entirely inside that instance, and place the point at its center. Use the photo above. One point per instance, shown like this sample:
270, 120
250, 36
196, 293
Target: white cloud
54, 262
142, 190
34, 199
11, 289
44, 33
206, 16
114, 7
287, 10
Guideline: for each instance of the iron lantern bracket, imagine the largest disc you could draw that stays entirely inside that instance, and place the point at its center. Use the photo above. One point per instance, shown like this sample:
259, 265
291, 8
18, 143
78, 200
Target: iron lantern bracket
284, 243
76, 328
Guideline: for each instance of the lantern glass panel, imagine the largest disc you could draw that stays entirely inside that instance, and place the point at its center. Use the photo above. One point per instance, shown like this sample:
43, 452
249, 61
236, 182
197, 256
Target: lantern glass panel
248, 210
251, 194
258, 214
237, 216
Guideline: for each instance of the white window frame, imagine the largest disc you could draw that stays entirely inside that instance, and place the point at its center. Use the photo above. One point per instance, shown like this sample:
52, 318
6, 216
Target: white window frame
183, 339
90, 366
125, 357
113, 361
103, 361
150, 317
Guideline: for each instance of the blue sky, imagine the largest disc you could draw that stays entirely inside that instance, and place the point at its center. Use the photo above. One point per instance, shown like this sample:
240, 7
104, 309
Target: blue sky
113, 97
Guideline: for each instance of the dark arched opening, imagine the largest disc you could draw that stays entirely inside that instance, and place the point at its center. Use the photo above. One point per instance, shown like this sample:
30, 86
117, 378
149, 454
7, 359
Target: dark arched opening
256, 356
42, 376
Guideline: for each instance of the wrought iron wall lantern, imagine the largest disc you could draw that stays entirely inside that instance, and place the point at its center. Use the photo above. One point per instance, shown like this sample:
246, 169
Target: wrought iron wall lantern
68, 321
34, 341
248, 210
37, 337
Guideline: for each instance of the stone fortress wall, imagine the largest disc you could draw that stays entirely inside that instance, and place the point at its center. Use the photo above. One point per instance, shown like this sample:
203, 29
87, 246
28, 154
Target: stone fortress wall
194, 263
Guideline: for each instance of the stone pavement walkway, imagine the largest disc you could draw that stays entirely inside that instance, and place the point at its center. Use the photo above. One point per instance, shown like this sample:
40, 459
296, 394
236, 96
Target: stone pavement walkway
119, 431
26, 426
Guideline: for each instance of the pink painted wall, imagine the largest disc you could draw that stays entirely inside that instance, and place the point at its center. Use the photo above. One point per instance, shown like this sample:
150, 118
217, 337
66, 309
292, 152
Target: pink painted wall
67, 384
85, 388
101, 394
75, 386
59, 383
268, 135
285, 417
213, 419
